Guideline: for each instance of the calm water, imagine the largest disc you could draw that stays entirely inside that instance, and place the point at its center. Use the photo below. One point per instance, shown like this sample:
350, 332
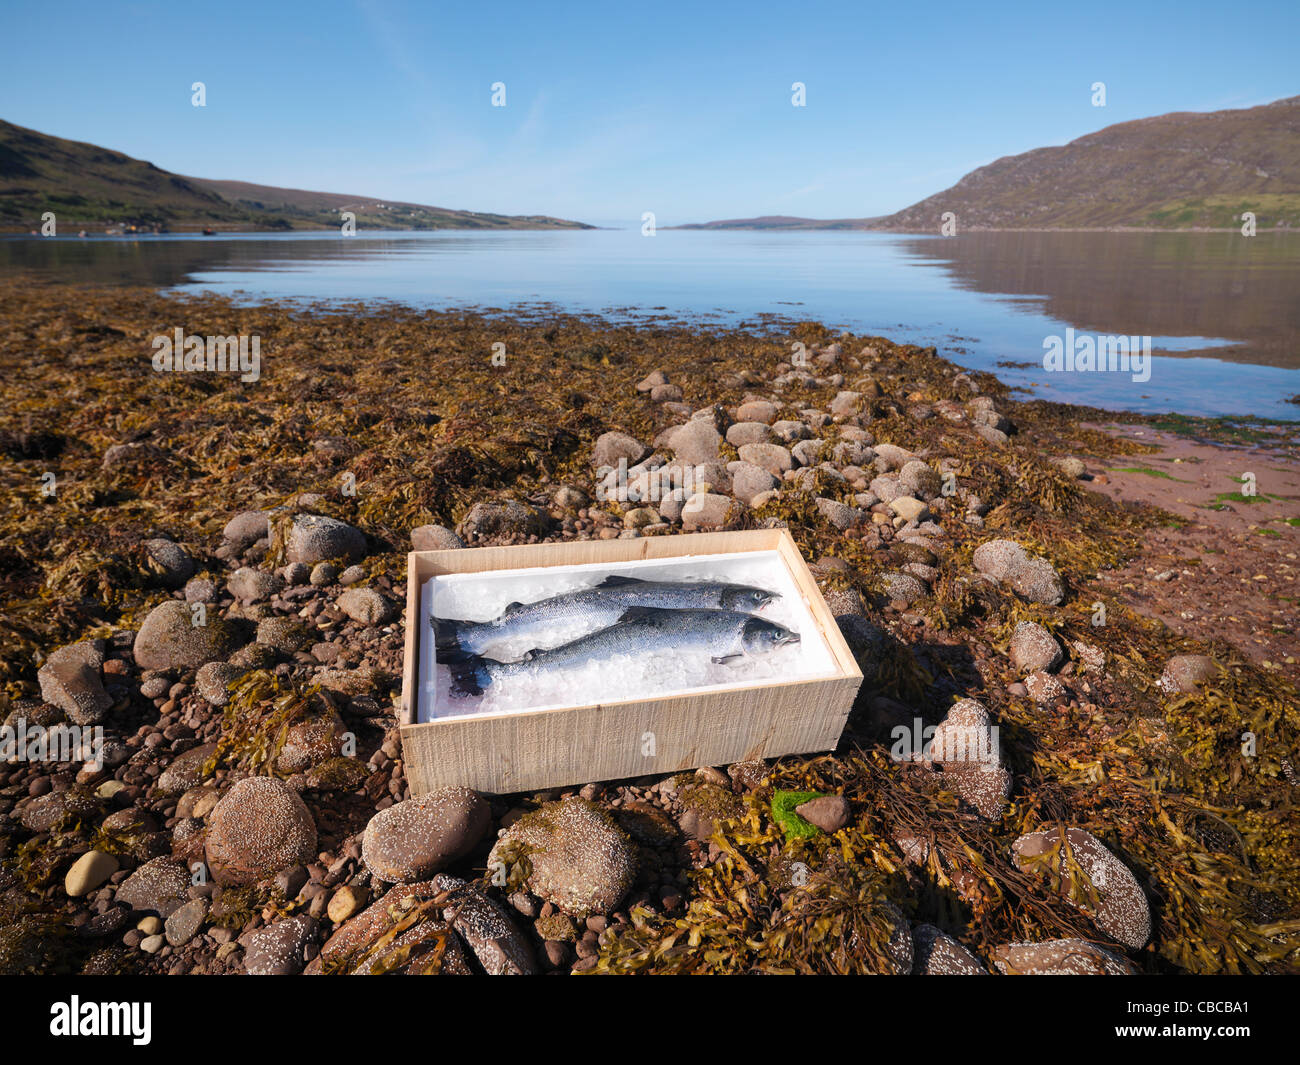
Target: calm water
1223, 310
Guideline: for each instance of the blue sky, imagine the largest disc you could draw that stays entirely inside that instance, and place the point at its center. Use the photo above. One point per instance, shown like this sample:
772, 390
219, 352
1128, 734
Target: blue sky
613, 109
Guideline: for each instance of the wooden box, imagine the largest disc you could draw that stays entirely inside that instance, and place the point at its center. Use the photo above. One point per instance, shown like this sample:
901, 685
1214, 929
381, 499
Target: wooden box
537, 749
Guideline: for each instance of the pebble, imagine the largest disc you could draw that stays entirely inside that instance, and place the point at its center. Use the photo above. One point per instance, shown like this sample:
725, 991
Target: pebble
841, 515
324, 573
830, 813
345, 902
89, 872
1044, 688
184, 924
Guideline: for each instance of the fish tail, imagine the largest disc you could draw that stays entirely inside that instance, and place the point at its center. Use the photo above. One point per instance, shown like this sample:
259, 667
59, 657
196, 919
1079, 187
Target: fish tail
450, 638
470, 676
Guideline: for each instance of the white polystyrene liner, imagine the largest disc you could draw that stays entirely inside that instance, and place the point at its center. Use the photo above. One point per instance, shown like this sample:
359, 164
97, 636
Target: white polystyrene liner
483, 596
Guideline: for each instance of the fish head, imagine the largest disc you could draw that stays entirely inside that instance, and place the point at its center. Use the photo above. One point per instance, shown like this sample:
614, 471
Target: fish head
762, 637
745, 599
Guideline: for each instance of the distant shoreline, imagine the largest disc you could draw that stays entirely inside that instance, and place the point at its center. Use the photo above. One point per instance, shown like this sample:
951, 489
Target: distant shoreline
71, 228
712, 227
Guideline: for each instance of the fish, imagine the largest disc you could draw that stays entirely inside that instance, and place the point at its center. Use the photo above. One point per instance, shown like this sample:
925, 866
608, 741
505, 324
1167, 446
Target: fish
726, 636
589, 610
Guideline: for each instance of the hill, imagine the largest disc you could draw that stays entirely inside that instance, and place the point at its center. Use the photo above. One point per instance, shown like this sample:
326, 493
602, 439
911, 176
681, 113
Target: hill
1186, 170
1178, 171
89, 186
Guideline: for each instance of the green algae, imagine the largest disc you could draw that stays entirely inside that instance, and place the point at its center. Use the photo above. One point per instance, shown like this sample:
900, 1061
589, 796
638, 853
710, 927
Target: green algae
783, 813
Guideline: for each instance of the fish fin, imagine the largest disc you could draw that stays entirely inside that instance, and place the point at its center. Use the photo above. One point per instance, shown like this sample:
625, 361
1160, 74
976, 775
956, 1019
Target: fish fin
512, 606
641, 613
619, 582
469, 676
446, 639
724, 659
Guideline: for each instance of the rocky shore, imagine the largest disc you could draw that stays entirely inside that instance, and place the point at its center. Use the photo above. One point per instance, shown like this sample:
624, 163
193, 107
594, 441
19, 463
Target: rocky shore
211, 572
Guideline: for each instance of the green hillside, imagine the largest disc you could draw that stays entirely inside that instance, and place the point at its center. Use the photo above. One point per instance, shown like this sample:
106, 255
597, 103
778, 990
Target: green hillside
87, 186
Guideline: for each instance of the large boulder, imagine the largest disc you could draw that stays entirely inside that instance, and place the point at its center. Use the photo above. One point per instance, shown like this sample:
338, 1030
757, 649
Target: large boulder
1108, 891
697, 442
1183, 673
258, 828
435, 538
611, 447
366, 606
1059, 957
412, 840
1033, 648
1028, 575
70, 679
159, 886
314, 538
503, 519
935, 953
169, 639
571, 854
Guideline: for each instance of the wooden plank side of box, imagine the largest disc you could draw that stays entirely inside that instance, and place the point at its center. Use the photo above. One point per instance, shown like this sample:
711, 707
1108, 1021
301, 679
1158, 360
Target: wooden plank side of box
556, 748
